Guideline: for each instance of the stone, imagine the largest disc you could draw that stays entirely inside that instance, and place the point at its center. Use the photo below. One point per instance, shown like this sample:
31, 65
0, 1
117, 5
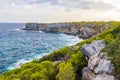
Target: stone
35, 26
95, 47
99, 66
87, 74
99, 63
104, 77
86, 32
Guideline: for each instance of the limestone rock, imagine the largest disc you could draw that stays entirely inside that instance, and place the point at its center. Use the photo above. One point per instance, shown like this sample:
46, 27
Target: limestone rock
87, 74
35, 26
86, 32
104, 77
83, 30
95, 47
100, 64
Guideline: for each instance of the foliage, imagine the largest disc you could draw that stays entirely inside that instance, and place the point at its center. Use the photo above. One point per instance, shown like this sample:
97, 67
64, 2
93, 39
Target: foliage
56, 55
78, 61
110, 34
31, 71
113, 50
65, 72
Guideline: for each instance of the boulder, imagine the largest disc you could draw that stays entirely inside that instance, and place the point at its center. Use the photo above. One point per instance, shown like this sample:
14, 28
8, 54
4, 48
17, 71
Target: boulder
99, 63
104, 77
95, 47
87, 74
86, 32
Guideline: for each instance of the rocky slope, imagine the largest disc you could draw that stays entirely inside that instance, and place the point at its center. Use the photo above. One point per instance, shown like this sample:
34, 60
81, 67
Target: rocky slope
81, 29
99, 66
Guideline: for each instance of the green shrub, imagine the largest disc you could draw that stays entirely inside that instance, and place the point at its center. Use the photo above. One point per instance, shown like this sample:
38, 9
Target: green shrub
78, 61
56, 55
65, 72
31, 71
38, 76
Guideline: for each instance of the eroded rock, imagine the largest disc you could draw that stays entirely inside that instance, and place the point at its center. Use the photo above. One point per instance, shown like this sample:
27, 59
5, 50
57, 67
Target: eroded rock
87, 74
86, 32
104, 77
99, 66
95, 47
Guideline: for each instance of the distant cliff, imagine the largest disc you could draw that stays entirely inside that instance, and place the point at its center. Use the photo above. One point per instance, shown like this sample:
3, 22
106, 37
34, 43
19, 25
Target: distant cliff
81, 29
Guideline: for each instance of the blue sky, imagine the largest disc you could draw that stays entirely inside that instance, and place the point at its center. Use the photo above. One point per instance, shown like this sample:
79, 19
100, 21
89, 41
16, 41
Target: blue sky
45, 11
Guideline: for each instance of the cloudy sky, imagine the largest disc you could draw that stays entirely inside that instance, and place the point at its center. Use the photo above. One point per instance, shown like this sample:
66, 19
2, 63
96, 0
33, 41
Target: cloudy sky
59, 10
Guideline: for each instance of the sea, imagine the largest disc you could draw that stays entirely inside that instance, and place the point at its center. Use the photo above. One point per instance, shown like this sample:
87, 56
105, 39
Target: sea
19, 46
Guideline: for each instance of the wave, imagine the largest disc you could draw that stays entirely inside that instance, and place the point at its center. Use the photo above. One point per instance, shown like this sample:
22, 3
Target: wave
23, 61
18, 64
40, 31
73, 39
16, 29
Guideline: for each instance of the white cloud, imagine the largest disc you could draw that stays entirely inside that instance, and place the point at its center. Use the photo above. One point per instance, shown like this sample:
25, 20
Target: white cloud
58, 10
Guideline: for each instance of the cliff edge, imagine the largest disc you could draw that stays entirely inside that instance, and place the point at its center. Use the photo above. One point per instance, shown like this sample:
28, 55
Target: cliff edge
82, 29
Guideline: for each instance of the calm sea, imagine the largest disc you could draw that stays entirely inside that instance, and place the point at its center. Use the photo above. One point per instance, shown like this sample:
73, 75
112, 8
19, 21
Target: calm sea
20, 46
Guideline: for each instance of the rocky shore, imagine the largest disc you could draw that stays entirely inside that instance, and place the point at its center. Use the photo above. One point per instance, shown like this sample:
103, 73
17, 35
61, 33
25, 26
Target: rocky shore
82, 29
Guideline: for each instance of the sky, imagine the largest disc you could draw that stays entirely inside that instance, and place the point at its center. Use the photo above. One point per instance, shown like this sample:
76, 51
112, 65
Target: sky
49, 11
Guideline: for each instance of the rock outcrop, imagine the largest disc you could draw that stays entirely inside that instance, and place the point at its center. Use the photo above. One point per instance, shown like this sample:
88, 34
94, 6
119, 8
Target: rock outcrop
86, 32
99, 66
95, 47
82, 29
35, 26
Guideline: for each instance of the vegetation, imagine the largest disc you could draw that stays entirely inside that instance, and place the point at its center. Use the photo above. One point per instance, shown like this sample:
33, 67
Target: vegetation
57, 54
113, 50
70, 59
32, 71
65, 72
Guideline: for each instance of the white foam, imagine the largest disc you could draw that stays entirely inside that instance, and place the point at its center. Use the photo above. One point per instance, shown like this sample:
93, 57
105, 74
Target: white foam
40, 31
18, 64
41, 55
15, 29
23, 61
74, 40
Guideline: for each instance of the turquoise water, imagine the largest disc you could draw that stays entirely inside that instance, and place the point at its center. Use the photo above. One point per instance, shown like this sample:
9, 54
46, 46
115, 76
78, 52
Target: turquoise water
19, 46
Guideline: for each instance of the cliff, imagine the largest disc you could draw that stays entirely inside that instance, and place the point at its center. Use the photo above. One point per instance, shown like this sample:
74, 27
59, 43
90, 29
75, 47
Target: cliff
81, 29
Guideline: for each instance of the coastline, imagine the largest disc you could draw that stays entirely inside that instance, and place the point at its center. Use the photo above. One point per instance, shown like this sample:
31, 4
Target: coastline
83, 30
80, 59
24, 61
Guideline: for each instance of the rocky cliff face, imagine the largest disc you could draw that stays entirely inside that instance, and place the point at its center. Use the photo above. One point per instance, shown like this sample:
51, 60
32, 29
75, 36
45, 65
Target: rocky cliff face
83, 30
99, 66
35, 26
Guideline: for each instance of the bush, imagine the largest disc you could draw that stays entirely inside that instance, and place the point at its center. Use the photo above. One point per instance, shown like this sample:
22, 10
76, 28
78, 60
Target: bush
78, 61
56, 55
65, 72
31, 71
38, 76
